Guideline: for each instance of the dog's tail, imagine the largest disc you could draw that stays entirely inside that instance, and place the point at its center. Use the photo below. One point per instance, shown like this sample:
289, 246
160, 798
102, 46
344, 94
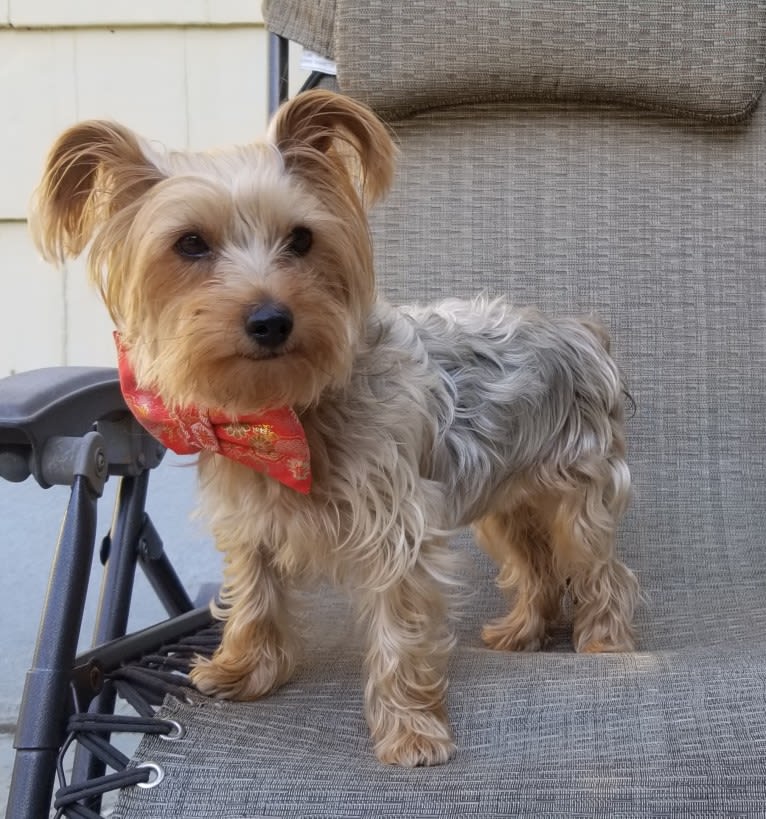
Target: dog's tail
598, 329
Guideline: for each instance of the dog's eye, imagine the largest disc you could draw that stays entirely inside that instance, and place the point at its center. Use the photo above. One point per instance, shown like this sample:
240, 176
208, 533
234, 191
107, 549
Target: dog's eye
300, 241
192, 245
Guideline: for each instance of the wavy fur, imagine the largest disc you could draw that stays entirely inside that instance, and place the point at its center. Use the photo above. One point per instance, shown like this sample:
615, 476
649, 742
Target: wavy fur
421, 420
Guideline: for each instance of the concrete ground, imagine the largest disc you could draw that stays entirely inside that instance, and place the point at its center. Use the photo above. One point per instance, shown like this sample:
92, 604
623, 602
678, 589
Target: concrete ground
29, 523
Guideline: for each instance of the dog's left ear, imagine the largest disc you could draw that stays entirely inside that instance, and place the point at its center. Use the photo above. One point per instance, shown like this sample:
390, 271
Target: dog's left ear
321, 126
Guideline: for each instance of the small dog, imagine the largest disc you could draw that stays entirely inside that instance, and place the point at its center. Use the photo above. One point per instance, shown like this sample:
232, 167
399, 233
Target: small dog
242, 285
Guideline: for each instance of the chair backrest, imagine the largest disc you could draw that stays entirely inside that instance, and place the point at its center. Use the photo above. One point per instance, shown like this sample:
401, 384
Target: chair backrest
606, 157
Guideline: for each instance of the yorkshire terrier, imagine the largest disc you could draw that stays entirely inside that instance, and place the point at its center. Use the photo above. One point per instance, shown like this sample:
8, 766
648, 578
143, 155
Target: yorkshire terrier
340, 435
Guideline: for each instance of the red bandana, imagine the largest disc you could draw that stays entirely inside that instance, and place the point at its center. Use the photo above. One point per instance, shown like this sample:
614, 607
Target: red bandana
272, 441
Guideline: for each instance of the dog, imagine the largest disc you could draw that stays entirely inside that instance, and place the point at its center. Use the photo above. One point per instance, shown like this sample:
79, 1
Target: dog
241, 282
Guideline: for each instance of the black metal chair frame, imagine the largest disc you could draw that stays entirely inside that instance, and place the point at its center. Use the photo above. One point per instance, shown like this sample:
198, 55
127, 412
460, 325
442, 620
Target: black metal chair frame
70, 426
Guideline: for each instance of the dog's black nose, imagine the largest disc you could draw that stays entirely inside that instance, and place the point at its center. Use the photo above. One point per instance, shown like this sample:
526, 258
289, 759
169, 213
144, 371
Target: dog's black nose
270, 324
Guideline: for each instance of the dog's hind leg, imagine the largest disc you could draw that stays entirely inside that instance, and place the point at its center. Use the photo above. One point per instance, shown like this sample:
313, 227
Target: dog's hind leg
591, 498
518, 543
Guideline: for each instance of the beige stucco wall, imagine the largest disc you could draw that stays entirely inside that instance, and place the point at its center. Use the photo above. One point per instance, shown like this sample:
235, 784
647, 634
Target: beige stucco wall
188, 73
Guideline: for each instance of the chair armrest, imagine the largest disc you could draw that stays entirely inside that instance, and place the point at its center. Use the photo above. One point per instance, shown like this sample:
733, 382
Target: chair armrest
41, 409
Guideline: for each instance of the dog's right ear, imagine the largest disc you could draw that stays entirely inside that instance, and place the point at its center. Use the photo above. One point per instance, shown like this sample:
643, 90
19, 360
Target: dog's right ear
94, 170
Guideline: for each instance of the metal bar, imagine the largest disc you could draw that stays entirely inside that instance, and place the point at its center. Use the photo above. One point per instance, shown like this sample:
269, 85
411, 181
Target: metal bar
314, 80
46, 702
278, 72
117, 583
167, 585
160, 572
125, 649
114, 603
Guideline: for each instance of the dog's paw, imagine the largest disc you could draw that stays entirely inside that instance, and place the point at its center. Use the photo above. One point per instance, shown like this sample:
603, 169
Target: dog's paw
411, 749
411, 738
502, 635
222, 678
610, 644
606, 633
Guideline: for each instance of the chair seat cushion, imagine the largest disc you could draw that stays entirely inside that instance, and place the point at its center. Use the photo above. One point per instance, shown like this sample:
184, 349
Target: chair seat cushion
661, 732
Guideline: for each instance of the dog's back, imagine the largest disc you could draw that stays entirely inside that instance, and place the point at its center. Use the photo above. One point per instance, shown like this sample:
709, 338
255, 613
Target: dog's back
512, 388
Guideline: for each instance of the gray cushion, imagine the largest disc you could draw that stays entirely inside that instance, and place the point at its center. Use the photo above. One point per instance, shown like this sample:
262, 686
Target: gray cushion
693, 58
548, 734
310, 24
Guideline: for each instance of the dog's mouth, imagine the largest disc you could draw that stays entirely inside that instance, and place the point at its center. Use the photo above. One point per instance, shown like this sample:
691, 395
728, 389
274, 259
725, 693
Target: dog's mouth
265, 355
261, 355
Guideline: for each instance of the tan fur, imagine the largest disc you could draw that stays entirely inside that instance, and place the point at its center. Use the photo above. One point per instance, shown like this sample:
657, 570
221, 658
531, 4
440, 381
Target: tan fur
420, 420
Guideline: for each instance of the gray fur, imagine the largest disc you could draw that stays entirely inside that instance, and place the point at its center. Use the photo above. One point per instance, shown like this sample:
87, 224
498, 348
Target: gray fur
479, 392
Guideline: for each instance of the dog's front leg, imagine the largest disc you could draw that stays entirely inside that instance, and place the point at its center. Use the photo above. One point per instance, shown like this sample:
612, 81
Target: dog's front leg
408, 648
259, 646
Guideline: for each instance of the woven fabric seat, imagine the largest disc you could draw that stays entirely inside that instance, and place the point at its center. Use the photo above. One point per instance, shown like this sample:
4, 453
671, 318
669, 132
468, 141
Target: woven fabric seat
671, 730
559, 193
607, 158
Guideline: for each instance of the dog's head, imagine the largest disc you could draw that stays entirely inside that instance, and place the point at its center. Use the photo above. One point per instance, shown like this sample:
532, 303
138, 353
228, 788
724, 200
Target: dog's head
238, 278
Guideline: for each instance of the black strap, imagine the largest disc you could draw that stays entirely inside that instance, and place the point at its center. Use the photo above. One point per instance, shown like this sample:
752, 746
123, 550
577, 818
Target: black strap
144, 686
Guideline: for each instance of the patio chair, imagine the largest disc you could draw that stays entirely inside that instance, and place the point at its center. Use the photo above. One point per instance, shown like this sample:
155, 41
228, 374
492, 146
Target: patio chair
594, 156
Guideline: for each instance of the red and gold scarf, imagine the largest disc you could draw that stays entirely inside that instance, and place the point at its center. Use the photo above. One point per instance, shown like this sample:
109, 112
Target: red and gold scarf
272, 442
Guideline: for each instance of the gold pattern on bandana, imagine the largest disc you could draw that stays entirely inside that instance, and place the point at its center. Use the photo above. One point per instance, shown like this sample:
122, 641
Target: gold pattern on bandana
258, 434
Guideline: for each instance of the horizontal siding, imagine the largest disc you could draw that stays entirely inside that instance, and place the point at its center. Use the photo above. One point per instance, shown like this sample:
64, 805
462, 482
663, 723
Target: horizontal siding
87, 333
85, 13
49, 316
32, 327
39, 98
182, 87
187, 88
